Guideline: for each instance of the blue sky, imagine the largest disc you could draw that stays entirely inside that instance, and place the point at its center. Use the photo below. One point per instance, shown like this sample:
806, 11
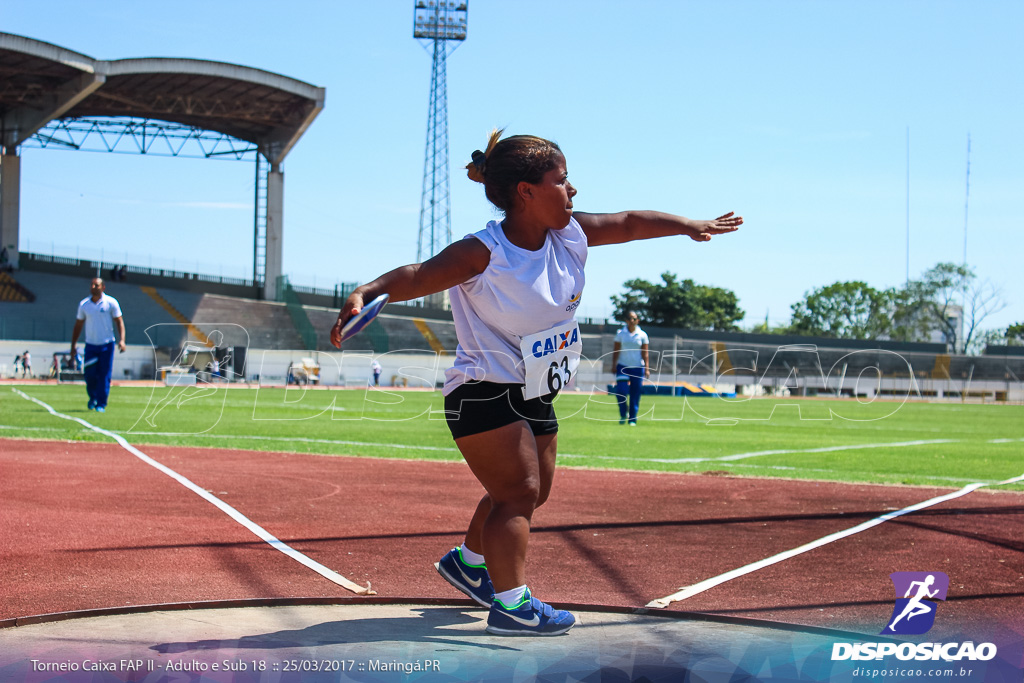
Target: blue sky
792, 113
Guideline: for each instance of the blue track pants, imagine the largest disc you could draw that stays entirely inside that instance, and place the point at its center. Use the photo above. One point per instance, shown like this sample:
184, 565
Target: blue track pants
99, 364
628, 383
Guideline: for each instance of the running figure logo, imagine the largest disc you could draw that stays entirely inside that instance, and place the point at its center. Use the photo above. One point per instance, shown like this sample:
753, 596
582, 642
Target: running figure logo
914, 613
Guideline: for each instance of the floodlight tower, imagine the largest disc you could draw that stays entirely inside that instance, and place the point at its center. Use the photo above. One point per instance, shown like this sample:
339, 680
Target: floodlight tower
437, 23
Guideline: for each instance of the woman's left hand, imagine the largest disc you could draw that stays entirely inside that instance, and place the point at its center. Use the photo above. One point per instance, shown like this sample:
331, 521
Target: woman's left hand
703, 230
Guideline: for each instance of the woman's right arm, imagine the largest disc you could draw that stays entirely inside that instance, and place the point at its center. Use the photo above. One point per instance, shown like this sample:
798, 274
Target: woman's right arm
457, 263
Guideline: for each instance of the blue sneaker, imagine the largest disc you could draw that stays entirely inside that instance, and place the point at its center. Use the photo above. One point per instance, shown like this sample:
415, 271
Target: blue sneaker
92, 404
530, 617
473, 580
100, 409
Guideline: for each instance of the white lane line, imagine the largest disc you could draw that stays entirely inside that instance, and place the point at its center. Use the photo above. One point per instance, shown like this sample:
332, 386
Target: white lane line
754, 454
31, 429
901, 475
689, 591
826, 449
234, 514
338, 442
242, 437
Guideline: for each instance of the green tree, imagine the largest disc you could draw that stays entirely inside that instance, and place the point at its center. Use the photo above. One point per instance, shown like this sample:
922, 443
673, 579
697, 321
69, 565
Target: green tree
947, 299
908, 322
950, 299
675, 303
764, 327
843, 310
933, 299
1015, 334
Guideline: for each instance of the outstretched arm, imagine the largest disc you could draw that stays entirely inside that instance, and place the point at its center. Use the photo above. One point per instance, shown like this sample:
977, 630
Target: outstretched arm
457, 263
627, 226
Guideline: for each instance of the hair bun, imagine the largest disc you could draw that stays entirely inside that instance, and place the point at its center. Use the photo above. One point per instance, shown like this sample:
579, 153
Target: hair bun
479, 160
475, 168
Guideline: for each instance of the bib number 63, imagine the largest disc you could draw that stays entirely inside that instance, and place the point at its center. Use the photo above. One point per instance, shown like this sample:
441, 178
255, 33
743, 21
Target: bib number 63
551, 359
558, 375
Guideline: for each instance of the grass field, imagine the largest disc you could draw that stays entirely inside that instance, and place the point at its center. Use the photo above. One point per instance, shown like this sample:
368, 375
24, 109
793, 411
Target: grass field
949, 444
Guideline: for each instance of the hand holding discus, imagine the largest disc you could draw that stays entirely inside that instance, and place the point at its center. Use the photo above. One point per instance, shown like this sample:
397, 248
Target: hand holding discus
354, 317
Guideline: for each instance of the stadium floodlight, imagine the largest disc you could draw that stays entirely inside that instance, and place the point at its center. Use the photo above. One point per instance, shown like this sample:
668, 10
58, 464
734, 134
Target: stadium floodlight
440, 19
441, 26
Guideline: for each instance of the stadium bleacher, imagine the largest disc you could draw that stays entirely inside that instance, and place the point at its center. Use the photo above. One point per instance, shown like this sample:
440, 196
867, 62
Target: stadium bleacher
13, 291
175, 308
246, 322
51, 316
406, 334
374, 338
402, 333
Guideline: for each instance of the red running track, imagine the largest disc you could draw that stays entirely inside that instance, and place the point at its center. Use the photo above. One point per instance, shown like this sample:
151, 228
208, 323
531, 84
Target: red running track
89, 526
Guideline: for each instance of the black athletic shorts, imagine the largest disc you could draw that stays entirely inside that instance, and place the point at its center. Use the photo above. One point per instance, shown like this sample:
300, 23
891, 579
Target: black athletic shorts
476, 407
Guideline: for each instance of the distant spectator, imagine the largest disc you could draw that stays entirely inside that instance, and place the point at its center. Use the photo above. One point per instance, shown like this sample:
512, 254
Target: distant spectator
17, 364
377, 369
632, 366
26, 364
98, 314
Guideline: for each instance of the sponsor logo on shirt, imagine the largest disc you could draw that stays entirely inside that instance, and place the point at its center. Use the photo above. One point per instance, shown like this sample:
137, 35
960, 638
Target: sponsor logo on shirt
555, 342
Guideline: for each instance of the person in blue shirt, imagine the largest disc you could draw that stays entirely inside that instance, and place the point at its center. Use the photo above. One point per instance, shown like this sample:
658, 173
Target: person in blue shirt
632, 365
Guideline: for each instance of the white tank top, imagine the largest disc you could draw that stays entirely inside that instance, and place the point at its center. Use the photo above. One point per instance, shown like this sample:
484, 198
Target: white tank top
521, 292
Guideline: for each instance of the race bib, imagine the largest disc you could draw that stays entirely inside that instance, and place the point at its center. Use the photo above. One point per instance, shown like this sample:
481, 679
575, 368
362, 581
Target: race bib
551, 358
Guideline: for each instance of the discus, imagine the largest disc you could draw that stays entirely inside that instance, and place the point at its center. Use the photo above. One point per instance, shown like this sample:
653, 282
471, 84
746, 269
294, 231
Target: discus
363, 318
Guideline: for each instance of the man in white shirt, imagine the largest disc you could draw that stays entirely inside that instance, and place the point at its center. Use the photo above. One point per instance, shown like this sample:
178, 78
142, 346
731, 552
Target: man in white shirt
98, 314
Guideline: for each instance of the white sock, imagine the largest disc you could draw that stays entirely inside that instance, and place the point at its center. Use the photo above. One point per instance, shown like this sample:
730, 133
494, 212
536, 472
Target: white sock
511, 598
471, 558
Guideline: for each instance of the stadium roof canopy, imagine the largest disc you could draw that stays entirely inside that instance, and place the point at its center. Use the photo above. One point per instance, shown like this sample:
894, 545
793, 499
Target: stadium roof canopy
41, 82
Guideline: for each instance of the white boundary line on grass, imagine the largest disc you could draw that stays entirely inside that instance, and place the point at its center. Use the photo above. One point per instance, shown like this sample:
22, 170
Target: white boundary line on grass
825, 449
689, 591
231, 512
932, 478
618, 458
339, 442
